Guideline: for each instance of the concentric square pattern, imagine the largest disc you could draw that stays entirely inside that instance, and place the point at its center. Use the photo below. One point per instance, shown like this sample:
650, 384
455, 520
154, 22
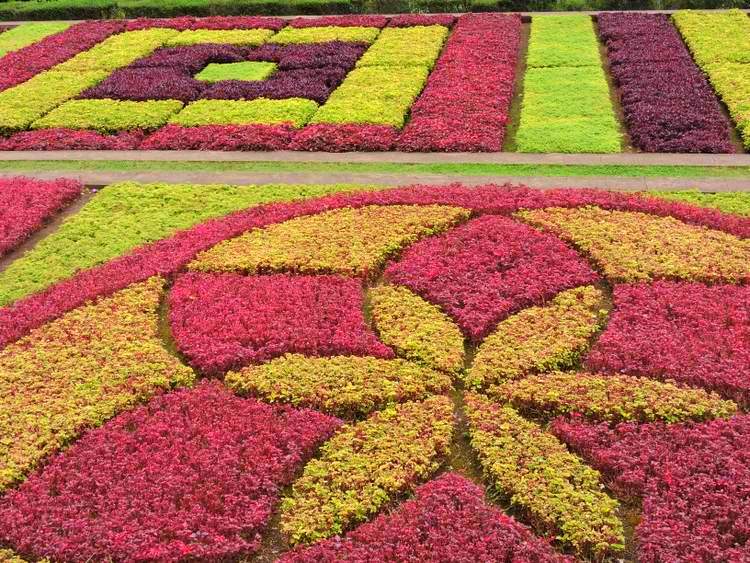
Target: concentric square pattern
343, 83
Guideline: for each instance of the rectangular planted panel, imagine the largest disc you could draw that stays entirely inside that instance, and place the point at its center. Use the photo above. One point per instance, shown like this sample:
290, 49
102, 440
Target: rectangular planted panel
720, 44
566, 105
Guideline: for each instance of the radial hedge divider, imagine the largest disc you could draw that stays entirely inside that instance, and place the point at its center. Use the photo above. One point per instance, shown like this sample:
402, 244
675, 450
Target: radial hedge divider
566, 103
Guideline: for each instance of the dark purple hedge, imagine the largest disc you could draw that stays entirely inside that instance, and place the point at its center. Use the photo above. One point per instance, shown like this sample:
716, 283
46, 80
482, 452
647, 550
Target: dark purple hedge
668, 104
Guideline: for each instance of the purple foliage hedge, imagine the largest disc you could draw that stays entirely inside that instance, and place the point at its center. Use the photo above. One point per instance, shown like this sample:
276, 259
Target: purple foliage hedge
668, 104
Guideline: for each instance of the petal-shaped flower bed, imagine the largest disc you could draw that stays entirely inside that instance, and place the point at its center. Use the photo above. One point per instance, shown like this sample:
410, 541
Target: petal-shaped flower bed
485, 270
192, 474
226, 321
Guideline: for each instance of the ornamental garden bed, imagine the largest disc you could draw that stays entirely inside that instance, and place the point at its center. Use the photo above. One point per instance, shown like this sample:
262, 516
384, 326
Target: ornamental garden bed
338, 372
413, 82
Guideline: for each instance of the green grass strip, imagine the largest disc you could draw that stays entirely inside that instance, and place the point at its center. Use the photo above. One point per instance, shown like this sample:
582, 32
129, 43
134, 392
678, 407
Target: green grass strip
452, 169
566, 106
28, 33
562, 41
123, 216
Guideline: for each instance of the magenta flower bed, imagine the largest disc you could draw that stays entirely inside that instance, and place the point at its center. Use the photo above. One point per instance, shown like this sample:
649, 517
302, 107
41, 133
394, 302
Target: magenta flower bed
26, 204
465, 104
695, 480
143, 84
481, 272
212, 22
170, 255
193, 474
70, 139
225, 321
19, 66
668, 104
344, 138
220, 138
689, 332
448, 520
341, 21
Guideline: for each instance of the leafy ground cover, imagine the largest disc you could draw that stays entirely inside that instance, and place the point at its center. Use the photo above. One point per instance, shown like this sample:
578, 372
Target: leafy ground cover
413, 82
566, 105
501, 386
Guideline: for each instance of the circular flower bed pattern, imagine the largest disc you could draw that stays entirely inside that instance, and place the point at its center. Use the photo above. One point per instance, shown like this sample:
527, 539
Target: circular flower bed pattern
421, 373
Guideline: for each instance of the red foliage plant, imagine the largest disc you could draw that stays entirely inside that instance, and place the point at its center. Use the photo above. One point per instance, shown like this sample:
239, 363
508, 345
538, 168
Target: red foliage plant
226, 321
465, 105
694, 479
371, 20
447, 520
689, 332
19, 66
487, 269
220, 138
169, 255
344, 138
408, 20
212, 22
60, 139
193, 474
25, 205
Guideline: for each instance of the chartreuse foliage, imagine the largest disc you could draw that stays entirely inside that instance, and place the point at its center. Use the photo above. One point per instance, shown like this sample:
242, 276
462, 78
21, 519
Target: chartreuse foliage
7, 556
567, 110
248, 37
566, 105
342, 385
28, 33
561, 495
715, 36
720, 44
365, 465
123, 216
416, 329
612, 398
119, 50
107, 356
374, 95
562, 41
346, 241
728, 202
296, 111
246, 70
325, 34
406, 46
632, 246
539, 338
109, 116
21, 105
